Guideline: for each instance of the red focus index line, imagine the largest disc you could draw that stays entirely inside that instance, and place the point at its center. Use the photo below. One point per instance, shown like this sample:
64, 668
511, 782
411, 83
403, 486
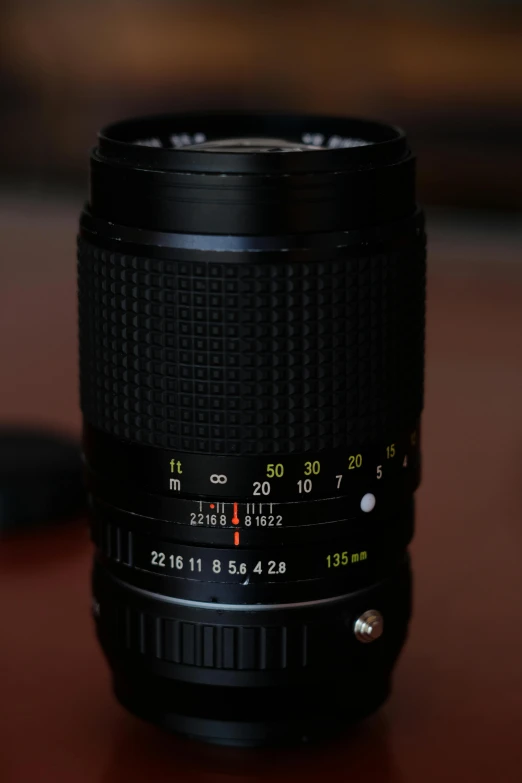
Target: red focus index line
235, 518
236, 538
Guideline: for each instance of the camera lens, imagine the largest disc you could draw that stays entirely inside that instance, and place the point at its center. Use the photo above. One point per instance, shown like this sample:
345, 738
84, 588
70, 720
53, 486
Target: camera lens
251, 309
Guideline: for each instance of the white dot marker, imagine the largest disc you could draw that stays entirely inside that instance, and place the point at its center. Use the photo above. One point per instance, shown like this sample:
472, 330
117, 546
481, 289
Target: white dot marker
368, 502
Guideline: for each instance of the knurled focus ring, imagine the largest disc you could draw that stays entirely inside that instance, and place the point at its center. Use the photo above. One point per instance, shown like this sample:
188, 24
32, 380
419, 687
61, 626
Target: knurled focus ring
251, 358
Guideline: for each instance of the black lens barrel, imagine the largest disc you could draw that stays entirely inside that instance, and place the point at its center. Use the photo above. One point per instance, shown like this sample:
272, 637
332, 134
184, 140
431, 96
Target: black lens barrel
162, 188
251, 309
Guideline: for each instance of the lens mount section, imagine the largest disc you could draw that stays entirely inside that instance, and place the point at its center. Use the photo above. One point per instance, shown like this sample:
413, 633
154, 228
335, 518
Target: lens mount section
251, 319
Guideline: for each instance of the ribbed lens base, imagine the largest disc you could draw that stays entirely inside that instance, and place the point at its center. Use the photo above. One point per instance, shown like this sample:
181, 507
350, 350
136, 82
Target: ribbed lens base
247, 675
249, 717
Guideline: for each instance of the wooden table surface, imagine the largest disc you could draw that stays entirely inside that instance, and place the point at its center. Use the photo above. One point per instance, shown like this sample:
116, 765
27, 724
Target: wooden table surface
456, 710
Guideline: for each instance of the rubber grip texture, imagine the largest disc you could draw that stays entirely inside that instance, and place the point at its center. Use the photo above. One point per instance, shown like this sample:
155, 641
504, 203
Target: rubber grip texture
252, 358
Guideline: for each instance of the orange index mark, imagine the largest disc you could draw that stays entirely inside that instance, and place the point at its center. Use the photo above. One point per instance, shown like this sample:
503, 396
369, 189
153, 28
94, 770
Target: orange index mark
236, 538
235, 518
212, 505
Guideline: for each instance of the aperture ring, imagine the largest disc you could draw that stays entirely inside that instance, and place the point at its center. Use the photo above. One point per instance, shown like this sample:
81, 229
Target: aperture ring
354, 556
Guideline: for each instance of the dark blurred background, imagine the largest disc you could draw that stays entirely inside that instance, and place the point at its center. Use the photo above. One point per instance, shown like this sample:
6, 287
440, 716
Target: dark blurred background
450, 73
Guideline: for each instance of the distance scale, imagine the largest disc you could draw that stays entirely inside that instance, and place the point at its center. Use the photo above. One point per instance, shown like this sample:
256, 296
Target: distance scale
291, 477
286, 478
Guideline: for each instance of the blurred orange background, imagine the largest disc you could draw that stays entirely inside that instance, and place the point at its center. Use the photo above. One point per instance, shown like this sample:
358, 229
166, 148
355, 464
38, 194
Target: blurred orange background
450, 73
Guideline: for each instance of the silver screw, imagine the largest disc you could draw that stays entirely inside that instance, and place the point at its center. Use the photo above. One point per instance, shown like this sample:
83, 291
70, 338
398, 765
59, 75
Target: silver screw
368, 627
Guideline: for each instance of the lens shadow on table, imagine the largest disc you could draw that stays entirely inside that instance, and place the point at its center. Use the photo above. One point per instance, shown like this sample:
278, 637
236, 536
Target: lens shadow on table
142, 752
43, 548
